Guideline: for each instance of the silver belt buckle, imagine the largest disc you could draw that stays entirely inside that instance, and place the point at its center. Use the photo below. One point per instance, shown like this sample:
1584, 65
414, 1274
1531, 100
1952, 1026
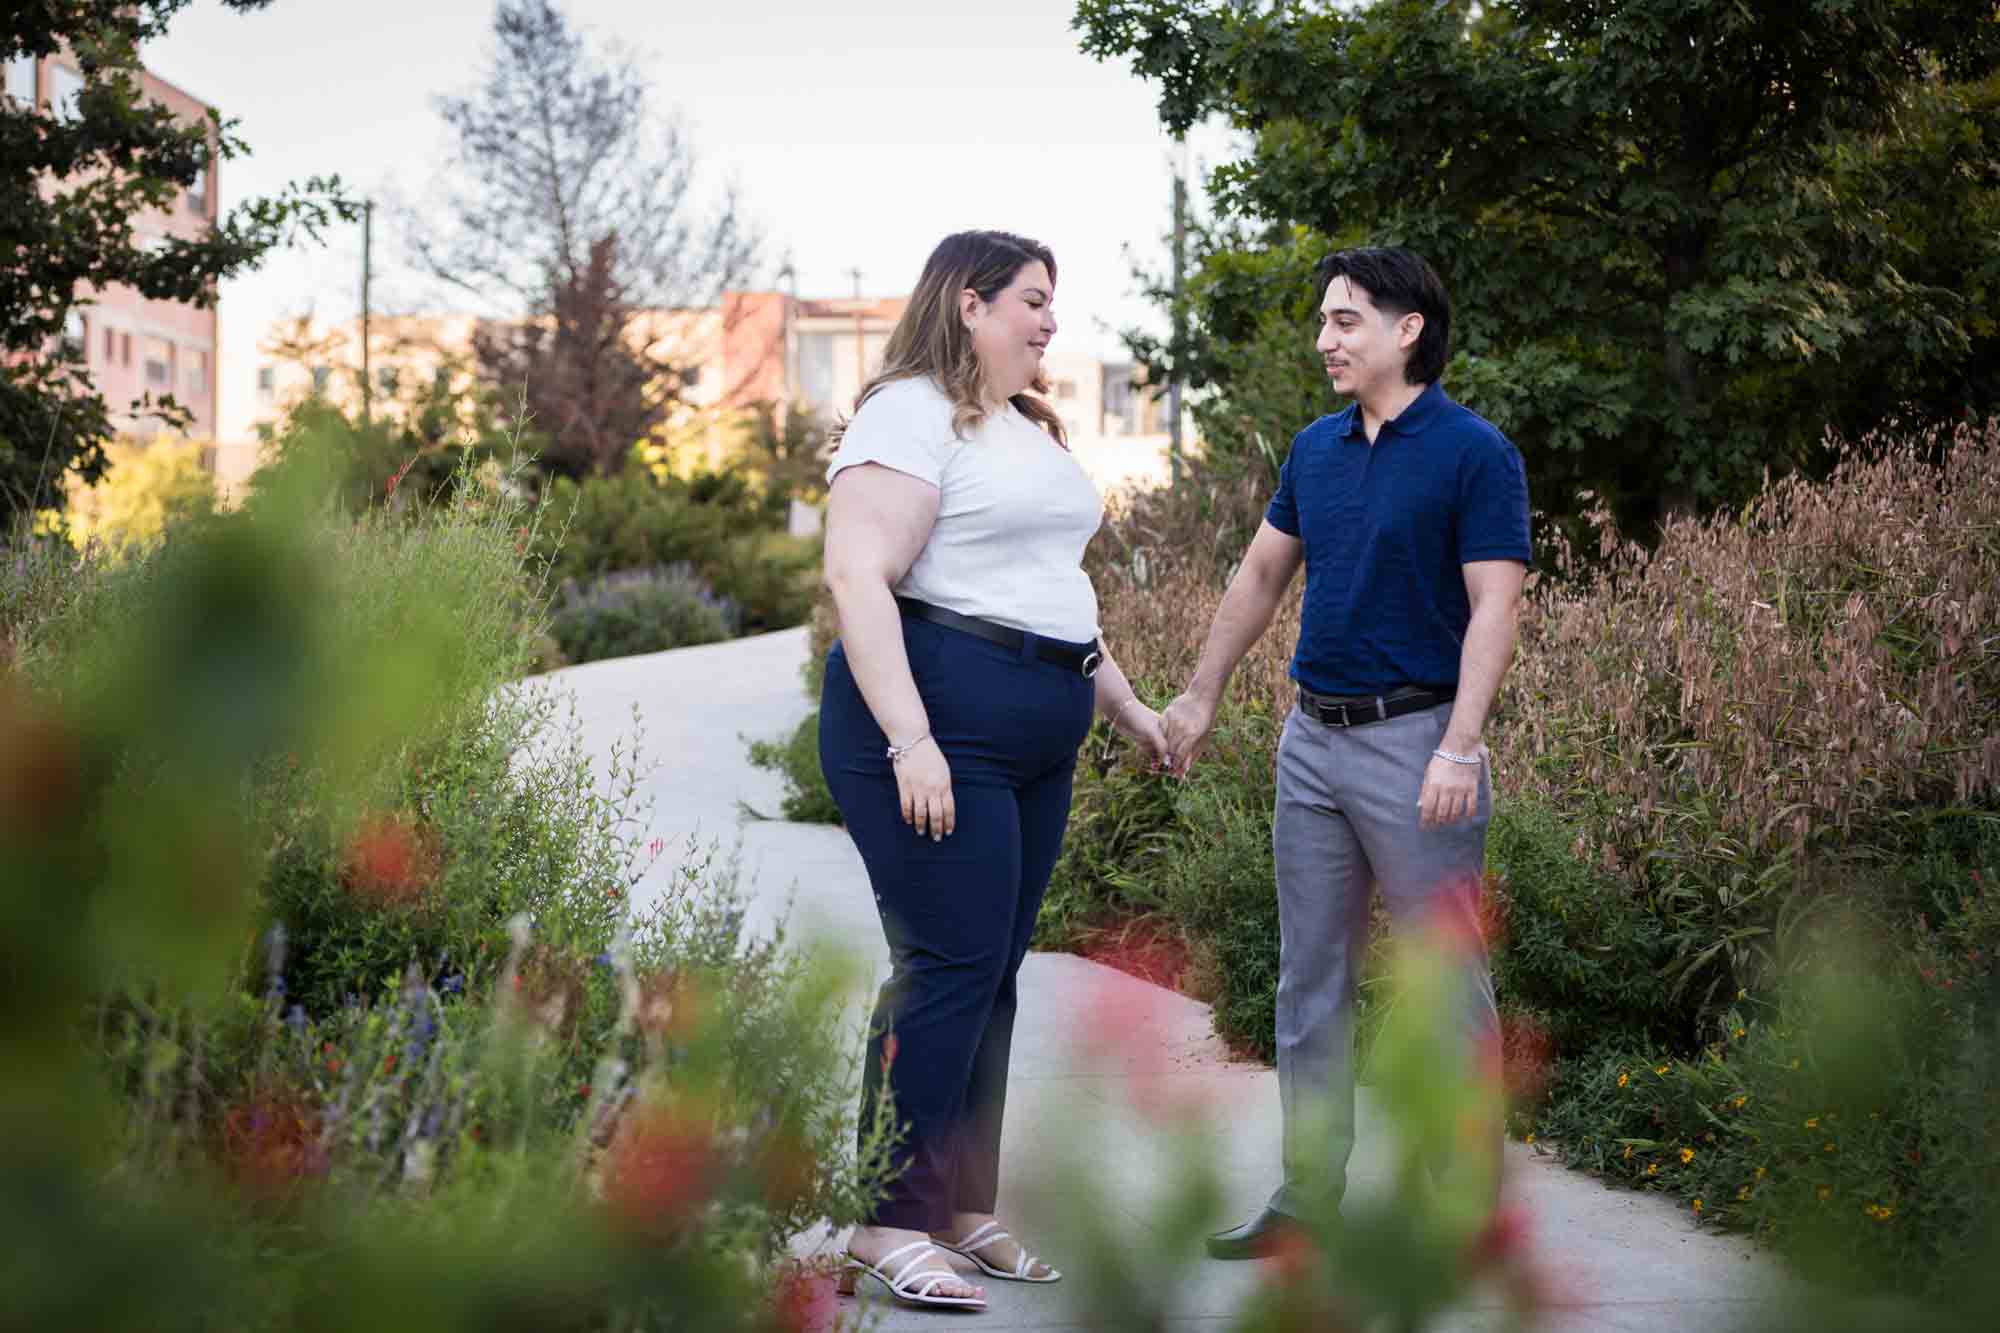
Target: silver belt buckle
1091, 661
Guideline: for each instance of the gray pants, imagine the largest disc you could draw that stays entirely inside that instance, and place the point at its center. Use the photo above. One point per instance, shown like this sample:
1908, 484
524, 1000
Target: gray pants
1346, 818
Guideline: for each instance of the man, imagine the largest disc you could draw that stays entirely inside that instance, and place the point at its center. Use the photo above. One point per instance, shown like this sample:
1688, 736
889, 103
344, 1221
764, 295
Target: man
1410, 514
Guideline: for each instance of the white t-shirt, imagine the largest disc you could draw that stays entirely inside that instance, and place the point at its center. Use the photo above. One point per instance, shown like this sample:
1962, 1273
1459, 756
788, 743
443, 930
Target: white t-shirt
1015, 510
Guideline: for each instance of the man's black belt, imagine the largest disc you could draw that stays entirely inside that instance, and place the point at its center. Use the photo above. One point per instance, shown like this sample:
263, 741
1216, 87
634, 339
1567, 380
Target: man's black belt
1355, 710
1081, 660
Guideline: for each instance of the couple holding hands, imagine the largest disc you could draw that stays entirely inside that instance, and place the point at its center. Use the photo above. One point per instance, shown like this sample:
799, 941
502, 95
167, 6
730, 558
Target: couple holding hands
969, 669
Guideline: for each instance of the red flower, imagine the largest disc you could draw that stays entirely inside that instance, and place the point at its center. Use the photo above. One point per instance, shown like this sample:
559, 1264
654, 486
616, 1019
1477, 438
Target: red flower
391, 861
658, 1169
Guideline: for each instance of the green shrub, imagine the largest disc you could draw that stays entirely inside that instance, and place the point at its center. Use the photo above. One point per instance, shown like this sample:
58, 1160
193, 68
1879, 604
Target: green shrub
770, 577
1121, 822
368, 1018
1577, 952
796, 759
638, 611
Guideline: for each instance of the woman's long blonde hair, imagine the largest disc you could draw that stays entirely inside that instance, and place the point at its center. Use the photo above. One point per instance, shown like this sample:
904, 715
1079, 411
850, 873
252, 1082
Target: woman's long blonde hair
930, 339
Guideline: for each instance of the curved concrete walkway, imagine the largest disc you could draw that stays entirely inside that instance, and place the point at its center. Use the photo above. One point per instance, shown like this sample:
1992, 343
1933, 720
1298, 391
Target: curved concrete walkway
1096, 1052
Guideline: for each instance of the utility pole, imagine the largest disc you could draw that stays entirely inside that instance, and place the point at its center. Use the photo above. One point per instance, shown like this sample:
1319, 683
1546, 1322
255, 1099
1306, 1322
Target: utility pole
369, 379
860, 351
1180, 321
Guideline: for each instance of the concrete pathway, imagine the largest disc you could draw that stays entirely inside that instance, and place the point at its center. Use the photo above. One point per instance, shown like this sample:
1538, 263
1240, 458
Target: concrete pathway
1096, 1052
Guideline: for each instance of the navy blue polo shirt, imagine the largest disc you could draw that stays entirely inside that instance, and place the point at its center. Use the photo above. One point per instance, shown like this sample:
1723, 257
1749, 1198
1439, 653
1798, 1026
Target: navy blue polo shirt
1386, 527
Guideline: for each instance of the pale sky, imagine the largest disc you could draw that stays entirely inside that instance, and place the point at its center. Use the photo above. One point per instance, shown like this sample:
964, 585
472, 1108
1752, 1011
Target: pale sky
856, 133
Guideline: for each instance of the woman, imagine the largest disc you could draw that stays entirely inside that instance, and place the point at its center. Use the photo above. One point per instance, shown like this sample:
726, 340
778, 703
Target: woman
964, 680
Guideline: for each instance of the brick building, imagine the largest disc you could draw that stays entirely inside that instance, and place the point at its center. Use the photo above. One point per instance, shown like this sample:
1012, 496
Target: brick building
135, 346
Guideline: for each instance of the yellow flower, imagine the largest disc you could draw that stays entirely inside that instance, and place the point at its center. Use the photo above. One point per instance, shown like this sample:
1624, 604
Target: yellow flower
1794, 1064
1660, 1069
1828, 1147
1697, 1207
1531, 1140
1738, 1103
1760, 1173
1812, 1122
1687, 1155
1652, 1168
1743, 994
1743, 1193
1879, 1211
1623, 1078
1628, 1152
1825, 1192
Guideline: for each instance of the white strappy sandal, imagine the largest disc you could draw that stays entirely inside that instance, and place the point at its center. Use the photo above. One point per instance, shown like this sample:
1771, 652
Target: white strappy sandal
913, 1284
988, 1234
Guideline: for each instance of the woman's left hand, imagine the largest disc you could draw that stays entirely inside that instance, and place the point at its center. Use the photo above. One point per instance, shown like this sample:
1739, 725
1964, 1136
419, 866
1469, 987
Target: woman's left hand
1143, 725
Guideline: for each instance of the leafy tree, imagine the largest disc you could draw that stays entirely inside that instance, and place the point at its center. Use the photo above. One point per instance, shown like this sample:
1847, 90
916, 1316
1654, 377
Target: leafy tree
1684, 237
71, 181
589, 231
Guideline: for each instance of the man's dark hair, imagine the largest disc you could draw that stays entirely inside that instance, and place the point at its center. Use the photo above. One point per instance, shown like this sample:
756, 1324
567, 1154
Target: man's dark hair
1399, 281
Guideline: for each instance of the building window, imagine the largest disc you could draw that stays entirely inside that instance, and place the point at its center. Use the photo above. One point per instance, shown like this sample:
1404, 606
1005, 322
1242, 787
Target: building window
125, 349
197, 372
110, 346
21, 80
65, 87
197, 194
76, 332
321, 377
690, 377
386, 379
159, 362
267, 383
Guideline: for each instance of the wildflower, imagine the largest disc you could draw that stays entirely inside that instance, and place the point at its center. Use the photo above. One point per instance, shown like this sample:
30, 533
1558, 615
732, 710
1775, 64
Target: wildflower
1687, 1155
1531, 1140
1738, 1103
1743, 1193
1794, 1064
1628, 1152
1660, 1069
1879, 1211
1827, 1147
1824, 1192
1652, 1168
1697, 1207
1760, 1173
1743, 993
1812, 1122
1623, 1078
1737, 1034
658, 1168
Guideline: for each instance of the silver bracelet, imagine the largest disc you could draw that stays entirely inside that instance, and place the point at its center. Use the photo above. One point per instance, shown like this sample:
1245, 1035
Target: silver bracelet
896, 752
1451, 758
1119, 711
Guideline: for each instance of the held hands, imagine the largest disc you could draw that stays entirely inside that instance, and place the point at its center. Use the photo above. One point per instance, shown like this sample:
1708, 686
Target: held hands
1186, 722
1142, 724
923, 785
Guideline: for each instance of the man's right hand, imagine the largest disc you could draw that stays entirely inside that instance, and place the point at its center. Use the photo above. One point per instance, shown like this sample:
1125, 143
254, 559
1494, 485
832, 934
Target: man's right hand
1187, 722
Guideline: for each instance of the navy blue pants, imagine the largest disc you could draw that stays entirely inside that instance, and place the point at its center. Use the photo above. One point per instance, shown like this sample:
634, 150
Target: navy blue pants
957, 913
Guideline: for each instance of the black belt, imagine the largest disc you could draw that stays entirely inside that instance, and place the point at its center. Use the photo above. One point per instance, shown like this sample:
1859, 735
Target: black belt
1350, 711
1082, 660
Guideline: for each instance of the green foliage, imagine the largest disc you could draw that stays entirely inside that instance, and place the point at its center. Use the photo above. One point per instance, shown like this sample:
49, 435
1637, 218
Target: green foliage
796, 759
1577, 951
73, 180
1665, 254
717, 523
638, 611
1121, 818
411, 450
324, 1002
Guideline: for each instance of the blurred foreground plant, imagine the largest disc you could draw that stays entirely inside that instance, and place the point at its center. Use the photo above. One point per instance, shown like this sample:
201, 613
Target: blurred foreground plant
299, 1035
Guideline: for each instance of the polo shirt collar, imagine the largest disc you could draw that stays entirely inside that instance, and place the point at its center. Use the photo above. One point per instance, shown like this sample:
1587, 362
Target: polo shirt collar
1412, 419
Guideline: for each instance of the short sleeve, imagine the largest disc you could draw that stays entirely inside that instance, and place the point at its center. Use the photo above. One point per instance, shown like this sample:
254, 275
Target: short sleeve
1283, 511
905, 425
1493, 503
